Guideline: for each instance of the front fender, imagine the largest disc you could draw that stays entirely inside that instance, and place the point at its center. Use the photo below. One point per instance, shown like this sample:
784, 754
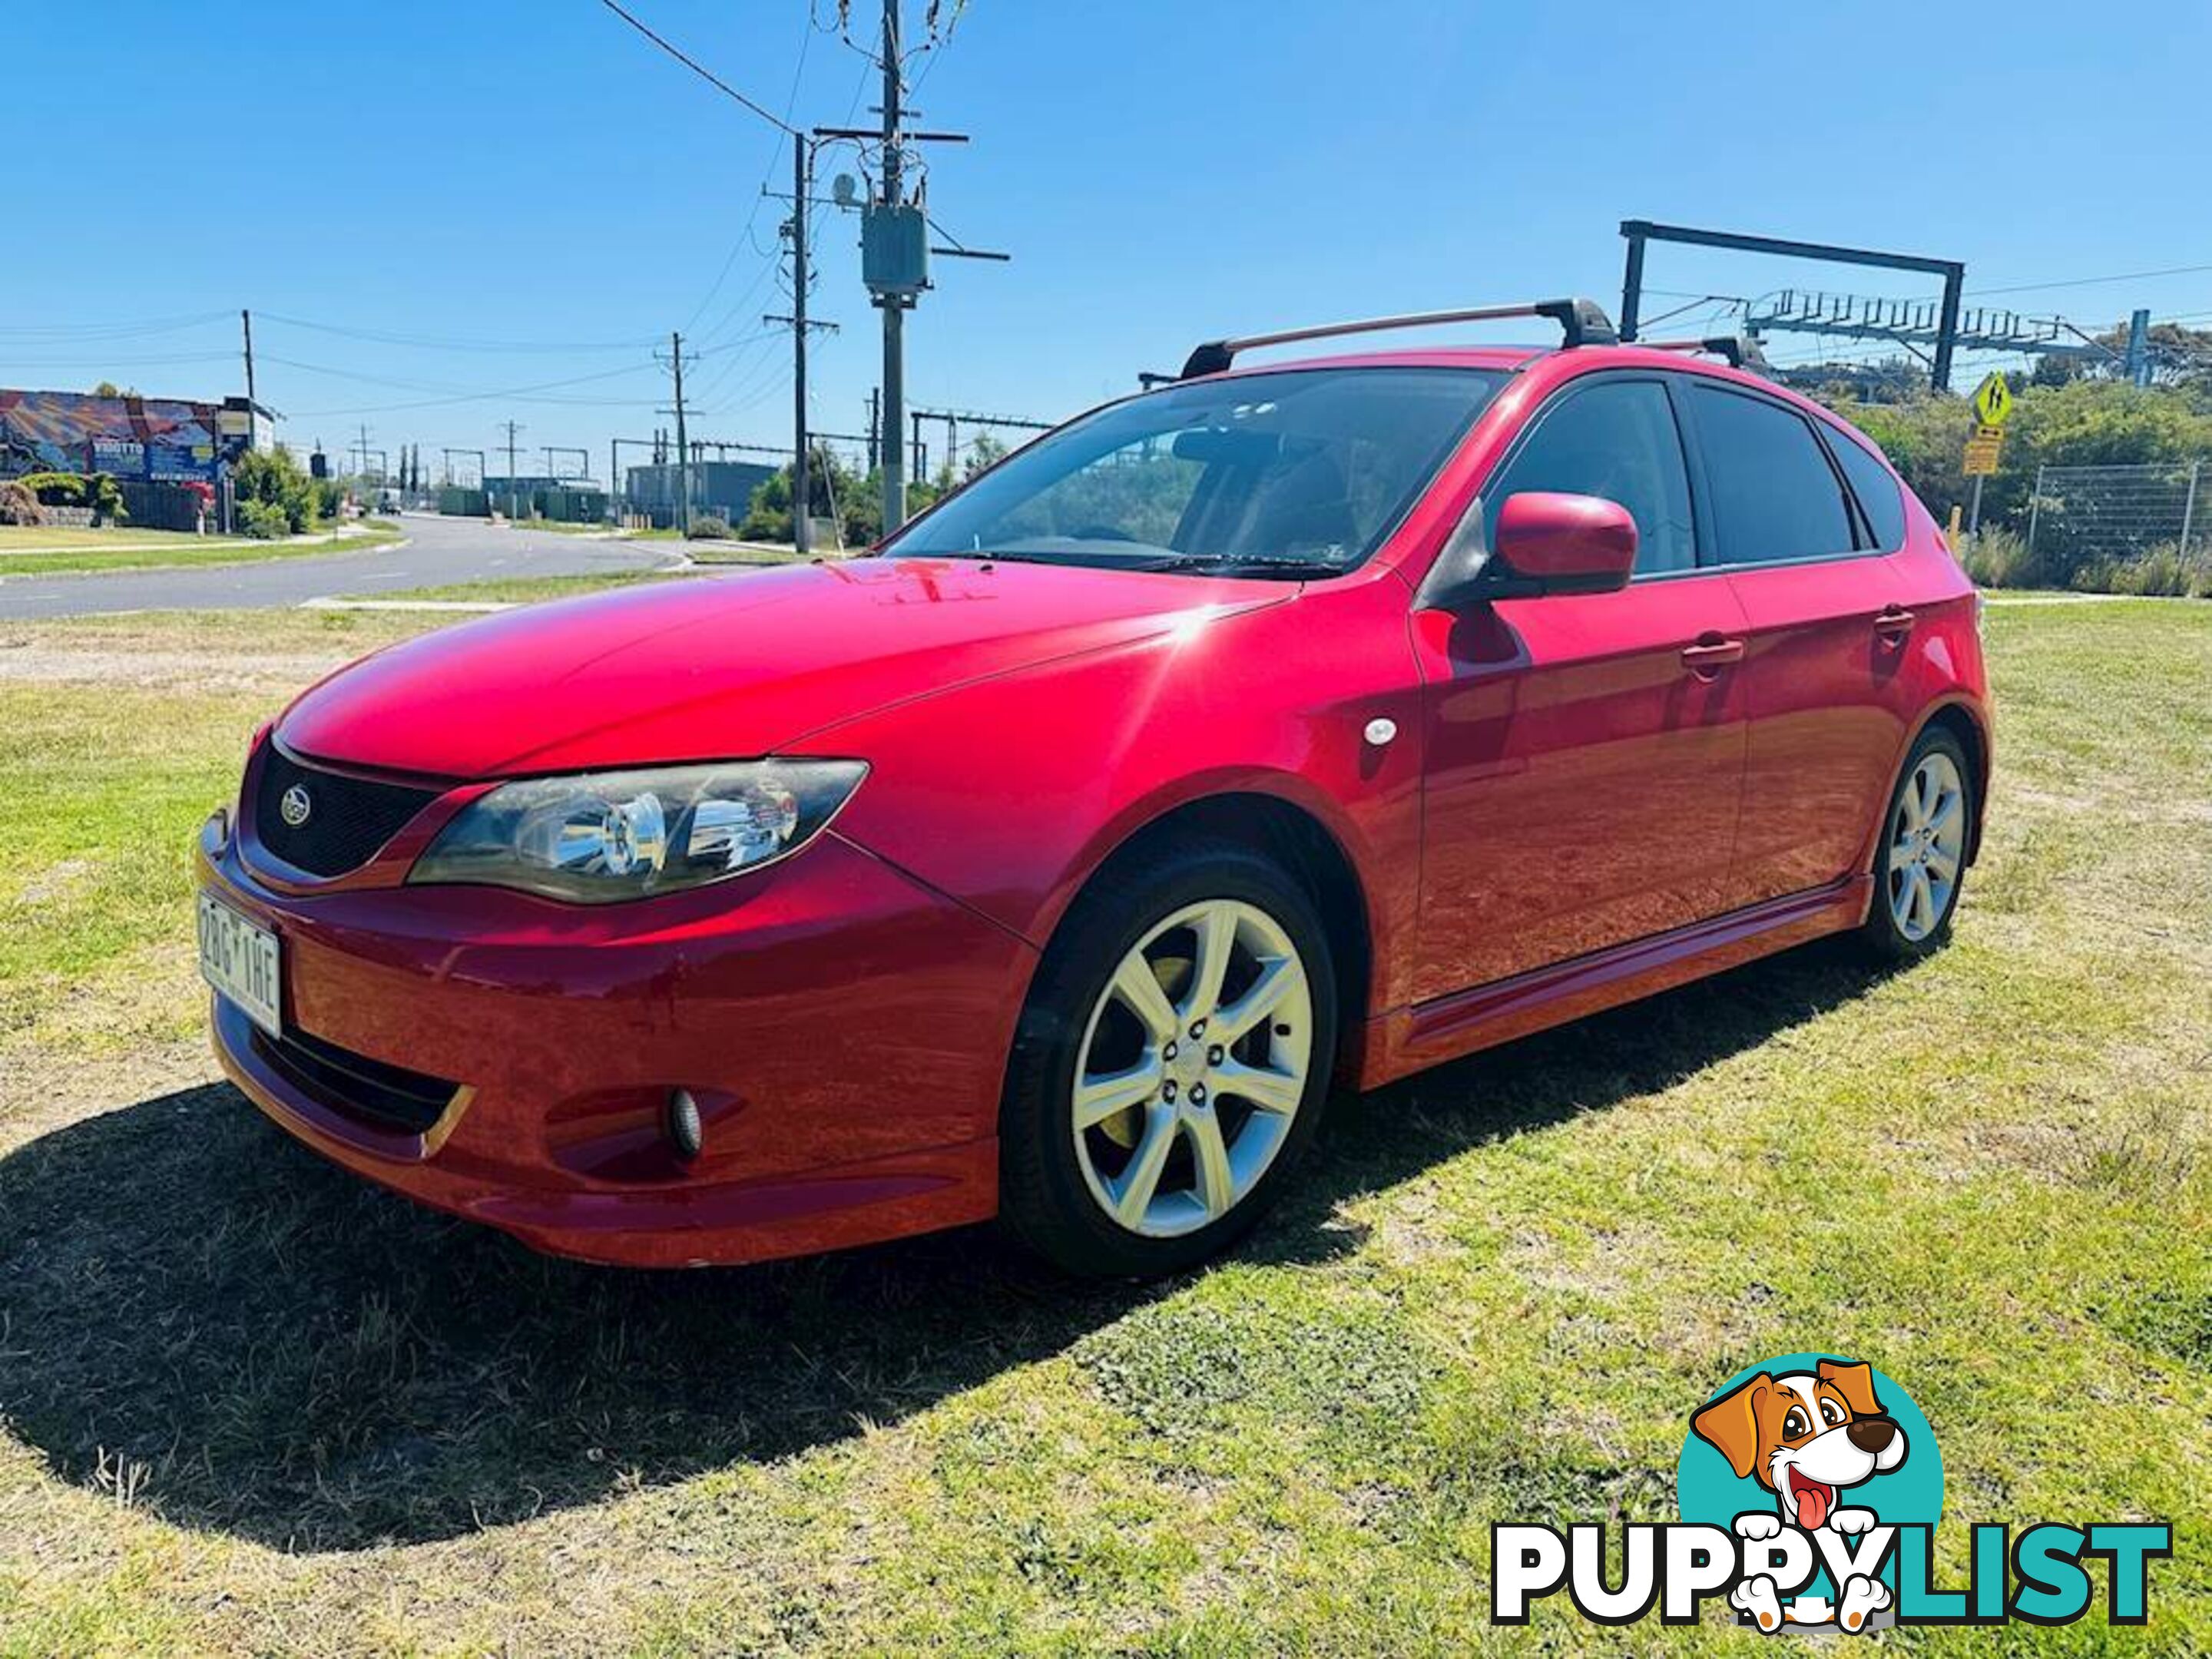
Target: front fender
1008, 794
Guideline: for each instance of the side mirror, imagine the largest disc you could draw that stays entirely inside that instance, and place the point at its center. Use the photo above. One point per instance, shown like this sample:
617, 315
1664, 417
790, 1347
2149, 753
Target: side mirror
1565, 543
1547, 543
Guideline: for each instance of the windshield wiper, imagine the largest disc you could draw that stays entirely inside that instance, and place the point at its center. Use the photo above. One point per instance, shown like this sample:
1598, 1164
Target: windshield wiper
1318, 567
975, 556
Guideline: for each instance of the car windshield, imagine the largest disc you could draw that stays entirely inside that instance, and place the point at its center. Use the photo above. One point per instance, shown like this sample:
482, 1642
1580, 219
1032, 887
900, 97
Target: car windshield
1296, 473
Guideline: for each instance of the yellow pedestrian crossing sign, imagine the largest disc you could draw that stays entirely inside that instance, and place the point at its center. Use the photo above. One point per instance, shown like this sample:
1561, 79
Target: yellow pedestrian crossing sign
1992, 400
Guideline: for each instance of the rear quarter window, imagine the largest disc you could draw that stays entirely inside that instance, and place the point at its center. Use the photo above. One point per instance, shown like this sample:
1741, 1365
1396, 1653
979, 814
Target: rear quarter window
1879, 495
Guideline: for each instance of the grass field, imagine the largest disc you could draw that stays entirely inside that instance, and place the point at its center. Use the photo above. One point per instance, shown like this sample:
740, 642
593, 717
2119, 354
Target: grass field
42, 551
252, 1406
516, 590
526, 590
563, 527
37, 537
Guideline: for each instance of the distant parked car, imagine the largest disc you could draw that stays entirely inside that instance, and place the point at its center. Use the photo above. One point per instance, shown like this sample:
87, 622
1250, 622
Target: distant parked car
1308, 720
390, 500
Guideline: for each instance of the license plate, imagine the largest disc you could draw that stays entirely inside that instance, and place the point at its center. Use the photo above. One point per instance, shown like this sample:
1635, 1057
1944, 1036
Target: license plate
241, 961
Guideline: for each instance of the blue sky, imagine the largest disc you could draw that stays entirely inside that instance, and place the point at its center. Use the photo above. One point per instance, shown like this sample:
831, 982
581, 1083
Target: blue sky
530, 178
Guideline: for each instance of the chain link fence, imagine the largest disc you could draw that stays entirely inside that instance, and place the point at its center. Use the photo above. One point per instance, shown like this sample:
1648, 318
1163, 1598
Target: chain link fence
2083, 517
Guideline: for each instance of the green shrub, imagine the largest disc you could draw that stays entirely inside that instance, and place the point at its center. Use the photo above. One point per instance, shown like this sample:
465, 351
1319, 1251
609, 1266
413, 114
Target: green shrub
262, 520
709, 528
275, 480
765, 524
2087, 422
1996, 557
55, 488
98, 491
767, 515
17, 504
104, 497
2163, 570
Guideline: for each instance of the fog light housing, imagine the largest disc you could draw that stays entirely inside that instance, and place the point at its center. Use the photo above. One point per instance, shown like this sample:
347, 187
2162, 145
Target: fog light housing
686, 1130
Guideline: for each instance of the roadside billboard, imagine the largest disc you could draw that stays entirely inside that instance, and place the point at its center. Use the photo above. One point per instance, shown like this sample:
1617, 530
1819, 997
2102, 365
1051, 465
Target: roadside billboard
153, 439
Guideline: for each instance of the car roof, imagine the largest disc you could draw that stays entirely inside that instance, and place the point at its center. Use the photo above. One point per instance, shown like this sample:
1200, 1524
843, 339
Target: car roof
1571, 360
1492, 358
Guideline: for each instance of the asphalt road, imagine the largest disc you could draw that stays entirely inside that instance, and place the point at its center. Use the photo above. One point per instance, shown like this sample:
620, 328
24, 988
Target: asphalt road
437, 551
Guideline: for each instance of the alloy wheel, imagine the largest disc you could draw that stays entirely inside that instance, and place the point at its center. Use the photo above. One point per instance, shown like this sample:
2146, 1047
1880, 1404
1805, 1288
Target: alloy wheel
1192, 1068
1927, 844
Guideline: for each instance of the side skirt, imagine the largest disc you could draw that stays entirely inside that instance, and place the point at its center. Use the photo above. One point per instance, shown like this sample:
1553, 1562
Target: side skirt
1407, 1040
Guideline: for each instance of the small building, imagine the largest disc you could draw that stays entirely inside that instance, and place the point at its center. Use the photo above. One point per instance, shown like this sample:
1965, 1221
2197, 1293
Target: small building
721, 489
564, 500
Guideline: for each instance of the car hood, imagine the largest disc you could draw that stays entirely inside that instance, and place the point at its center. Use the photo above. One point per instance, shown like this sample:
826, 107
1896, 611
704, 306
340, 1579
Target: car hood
723, 667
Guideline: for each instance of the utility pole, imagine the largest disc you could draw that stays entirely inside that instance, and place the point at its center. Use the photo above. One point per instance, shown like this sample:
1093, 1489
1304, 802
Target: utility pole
364, 449
895, 253
245, 321
513, 487
875, 429
2138, 361
683, 449
894, 305
802, 489
802, 441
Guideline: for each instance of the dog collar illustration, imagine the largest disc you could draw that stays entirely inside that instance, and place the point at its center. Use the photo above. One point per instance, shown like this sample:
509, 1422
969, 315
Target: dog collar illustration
1805, 1436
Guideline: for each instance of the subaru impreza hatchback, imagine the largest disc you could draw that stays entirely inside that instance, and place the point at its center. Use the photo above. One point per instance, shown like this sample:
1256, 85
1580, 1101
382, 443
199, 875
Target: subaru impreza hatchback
1292, 723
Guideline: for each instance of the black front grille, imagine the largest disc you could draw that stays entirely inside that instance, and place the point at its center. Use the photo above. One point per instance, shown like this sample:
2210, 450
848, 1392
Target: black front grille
347, 818
386, 1096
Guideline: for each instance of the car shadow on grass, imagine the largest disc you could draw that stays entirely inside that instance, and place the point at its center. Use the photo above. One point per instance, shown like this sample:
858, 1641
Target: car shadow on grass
200, 1313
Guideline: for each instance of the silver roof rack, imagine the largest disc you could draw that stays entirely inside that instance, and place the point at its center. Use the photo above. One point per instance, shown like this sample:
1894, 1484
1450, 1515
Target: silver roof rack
1740, 350
1581, 322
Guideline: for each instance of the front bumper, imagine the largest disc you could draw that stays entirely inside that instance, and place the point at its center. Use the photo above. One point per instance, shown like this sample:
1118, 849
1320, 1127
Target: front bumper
843, 1028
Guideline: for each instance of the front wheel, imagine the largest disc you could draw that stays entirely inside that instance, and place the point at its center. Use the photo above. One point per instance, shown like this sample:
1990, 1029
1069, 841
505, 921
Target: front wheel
1170, 1065
1920, 861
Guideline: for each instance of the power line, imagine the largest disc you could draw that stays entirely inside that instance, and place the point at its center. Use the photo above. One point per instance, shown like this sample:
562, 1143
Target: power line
772, 262
63, 333
744, 236
2093, 281
520, 392
113, 361
729, 381
418, 386
701, 70
450, 343
1725, 304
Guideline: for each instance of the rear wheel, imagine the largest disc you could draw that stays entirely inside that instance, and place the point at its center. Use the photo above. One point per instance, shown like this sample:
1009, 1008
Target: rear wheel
1920, 861
1170, 1064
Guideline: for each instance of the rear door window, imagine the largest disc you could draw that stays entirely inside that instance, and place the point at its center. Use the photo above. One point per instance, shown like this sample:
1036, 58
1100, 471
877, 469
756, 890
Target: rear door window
1615, 439
1775, 498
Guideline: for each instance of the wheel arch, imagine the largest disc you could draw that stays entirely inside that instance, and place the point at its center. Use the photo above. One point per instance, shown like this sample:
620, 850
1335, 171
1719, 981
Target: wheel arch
1963, 723
1285, 831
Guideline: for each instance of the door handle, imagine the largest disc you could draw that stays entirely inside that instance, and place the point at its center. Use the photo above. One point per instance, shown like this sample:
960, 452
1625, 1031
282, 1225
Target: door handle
1711, 654
1893, 625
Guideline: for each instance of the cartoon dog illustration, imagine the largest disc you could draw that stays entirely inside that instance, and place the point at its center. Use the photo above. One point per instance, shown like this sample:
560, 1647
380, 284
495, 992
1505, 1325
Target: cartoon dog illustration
1806, 1436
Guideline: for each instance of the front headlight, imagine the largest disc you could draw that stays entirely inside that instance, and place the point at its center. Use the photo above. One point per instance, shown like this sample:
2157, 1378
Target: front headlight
596, 837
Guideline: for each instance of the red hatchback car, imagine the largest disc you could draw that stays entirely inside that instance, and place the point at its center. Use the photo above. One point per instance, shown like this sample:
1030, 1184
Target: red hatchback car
1317, 721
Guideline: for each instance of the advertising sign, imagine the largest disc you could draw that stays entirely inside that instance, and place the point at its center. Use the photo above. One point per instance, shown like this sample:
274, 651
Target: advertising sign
130, 437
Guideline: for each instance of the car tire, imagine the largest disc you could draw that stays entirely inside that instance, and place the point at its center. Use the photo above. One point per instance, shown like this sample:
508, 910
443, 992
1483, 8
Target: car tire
1920, 853
1075, 1194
